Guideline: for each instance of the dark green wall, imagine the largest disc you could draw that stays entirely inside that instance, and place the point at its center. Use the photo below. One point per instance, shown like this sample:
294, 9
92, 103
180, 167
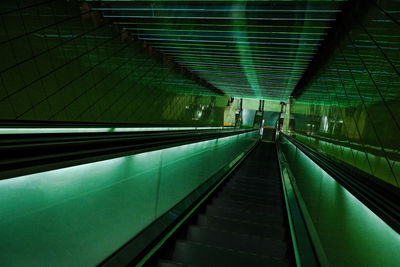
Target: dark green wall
352, 109
60, 61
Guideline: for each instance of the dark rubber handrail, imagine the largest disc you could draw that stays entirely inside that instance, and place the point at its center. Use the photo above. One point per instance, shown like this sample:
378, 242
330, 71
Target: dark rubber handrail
22, 154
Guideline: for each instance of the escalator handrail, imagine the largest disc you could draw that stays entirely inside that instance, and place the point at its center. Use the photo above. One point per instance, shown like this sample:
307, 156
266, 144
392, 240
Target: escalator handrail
305, 250
22, 154
383, 202
143, 247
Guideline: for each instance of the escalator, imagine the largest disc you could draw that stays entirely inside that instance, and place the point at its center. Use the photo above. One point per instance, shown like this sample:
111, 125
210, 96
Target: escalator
243, 224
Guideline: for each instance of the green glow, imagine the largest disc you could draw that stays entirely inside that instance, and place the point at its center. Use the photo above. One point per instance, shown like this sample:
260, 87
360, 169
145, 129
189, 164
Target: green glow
217, 18
246, 59
191, 34
237, 35
351, 109
228, 42
187, 216
63, 217
231, 55
99, 130
224, 47
183, 9
349, 232
228, 31
212, 23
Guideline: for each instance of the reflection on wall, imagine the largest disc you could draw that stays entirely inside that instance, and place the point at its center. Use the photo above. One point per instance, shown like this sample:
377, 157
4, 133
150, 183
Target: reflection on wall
62, 61
348, 232
79, 215
351, 111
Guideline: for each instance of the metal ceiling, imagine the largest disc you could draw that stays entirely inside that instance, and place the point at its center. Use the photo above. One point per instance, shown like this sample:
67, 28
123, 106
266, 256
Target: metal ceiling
253, 49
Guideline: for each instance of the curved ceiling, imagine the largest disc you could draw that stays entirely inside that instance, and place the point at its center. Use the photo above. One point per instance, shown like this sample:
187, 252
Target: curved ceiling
253, 49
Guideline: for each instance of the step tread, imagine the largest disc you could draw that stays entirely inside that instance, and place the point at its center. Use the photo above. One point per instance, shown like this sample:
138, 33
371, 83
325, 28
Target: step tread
246, 185
265, 176
267, 200
256, 181
239, 203
269, 218
243, 226
169, 263
237, 241
246, 207
275, 192
199, 254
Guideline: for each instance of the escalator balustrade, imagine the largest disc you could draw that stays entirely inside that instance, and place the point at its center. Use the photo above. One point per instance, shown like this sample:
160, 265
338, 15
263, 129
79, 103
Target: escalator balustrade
244, 224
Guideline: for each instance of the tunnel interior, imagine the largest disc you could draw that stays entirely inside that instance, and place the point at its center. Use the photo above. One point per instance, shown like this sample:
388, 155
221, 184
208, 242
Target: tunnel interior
199, 133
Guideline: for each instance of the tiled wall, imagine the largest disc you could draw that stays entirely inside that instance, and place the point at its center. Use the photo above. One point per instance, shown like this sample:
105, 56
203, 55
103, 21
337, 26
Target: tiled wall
60, 61
351, 111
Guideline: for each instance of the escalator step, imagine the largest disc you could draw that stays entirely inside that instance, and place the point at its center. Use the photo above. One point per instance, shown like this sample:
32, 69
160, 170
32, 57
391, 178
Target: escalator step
257, 173
260, 164
267, 200
243, 182
253, 187
237, 241
267, 217
271, 192
251, 207
242, 198
242, 226
246, 185
256, 180
261, 192
251, 211
258, 167
167, 263
198, 254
